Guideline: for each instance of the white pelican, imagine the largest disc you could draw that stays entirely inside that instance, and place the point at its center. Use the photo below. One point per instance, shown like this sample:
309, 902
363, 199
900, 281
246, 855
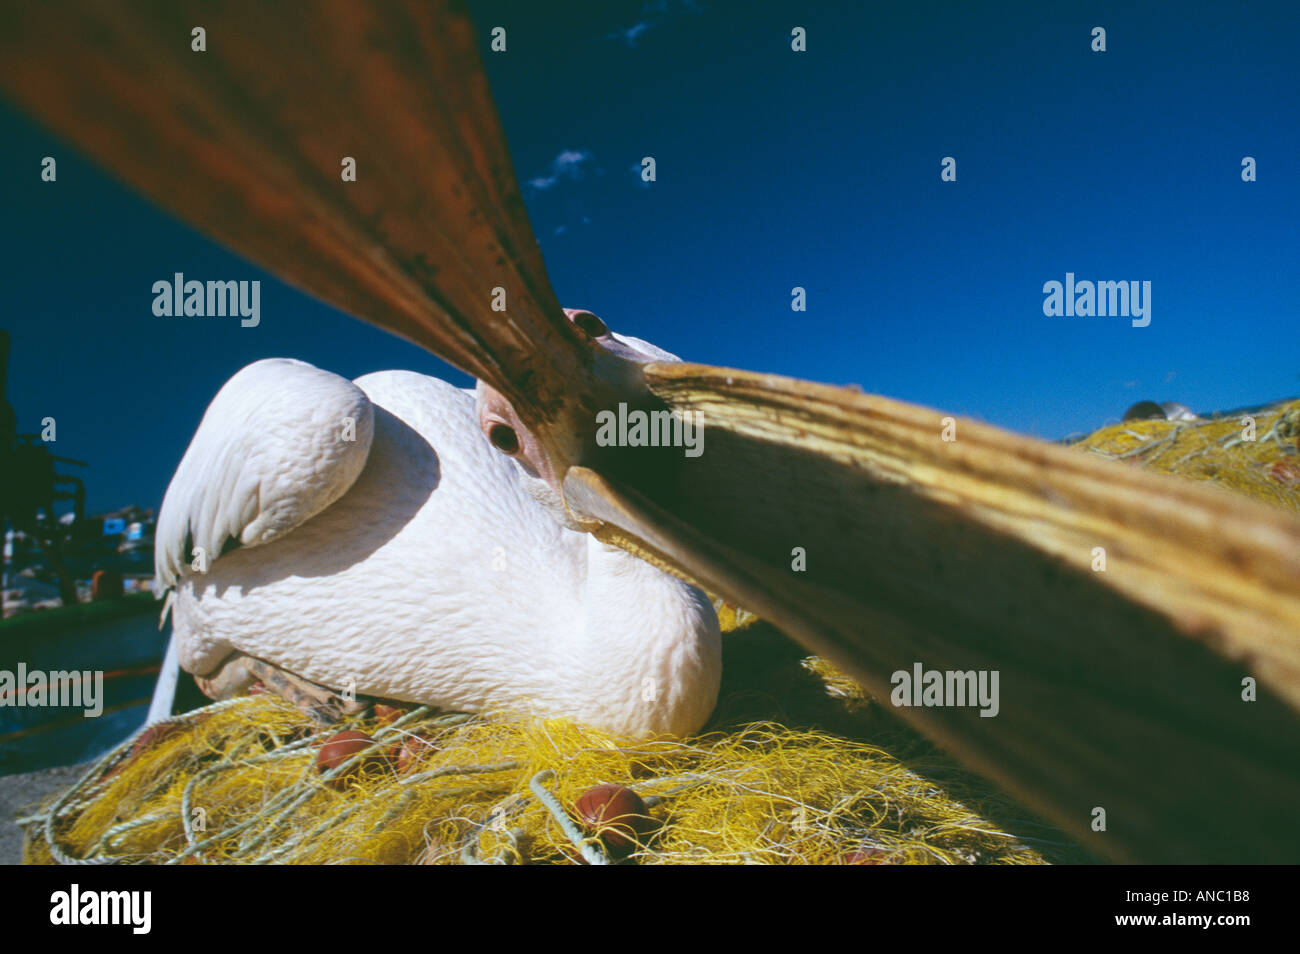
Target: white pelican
413, 561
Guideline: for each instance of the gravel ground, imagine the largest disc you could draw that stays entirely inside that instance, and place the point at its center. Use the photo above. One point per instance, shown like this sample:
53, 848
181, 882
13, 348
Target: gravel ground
19, 792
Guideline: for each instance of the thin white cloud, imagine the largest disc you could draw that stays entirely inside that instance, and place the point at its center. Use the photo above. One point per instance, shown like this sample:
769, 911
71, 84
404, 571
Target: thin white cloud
568, 164
629, 36
653, 13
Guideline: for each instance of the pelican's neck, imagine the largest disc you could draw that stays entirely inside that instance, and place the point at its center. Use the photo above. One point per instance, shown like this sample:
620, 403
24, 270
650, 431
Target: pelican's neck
650, 645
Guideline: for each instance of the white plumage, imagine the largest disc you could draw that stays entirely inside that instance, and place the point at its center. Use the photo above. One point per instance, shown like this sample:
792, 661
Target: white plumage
415, 562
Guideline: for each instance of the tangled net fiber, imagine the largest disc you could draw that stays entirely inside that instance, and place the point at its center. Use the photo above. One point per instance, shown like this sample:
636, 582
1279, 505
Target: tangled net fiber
797, 766
1215, 449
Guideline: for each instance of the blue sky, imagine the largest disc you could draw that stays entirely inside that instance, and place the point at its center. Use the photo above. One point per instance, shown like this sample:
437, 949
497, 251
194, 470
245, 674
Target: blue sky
774, 169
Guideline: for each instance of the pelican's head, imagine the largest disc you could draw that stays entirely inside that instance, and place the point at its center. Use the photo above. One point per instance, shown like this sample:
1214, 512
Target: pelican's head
616, 355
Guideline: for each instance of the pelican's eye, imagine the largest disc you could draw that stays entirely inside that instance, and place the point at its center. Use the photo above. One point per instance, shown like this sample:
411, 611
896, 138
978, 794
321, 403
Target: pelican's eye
590, 325
504, 439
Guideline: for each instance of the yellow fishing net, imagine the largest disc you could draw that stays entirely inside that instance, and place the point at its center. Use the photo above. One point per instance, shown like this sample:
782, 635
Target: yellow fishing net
797, 766
787, 772
1251, 454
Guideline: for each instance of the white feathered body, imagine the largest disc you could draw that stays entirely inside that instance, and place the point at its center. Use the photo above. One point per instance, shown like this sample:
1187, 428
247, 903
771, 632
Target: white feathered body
411, 563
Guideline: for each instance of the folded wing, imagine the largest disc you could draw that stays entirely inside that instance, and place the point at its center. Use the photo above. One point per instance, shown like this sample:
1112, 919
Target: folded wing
280, 442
